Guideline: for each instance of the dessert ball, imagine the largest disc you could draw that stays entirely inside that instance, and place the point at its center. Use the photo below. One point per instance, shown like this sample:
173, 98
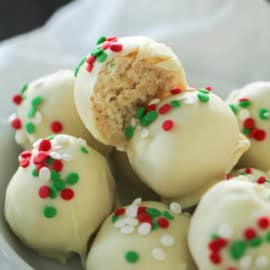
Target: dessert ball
46, 106
129, 185
59, 196
142, 236
184, 144
117, 77
230, 229
251, 105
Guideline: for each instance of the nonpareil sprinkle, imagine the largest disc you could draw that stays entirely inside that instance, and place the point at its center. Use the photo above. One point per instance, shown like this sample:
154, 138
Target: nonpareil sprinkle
129, 131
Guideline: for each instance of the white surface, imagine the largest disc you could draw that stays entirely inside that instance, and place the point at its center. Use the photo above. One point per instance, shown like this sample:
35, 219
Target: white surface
221, 43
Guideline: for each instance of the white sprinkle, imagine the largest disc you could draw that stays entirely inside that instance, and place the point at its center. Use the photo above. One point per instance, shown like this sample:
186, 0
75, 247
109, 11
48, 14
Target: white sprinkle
144, 133
82, 142
44, 174
133, 122
120, 223
37, 143
61, 139
12, 117
132, 210
127, 229
137, 201
67, 157
158, 254
37, 119
245, 262
190, 99
243, 114
225, 230
55, 155
261, 261
20, 137
154, 101
131, 222
144, 229
176, 208
167, 240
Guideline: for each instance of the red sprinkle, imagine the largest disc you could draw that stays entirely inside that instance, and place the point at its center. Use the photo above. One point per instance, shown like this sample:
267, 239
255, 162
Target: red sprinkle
24, 163
167, 125
114, 39
259, 135
249, 123
57, 165
248, 170
119, 211
163, 223
165, 108
16, 124
45, 145
151, 107
41, 157
263, 223
176, 91
144, 217
91, 59
116, 47
67, 194
17, 99
106, 45
243, 99
228, 176
215, 258
252, 133
261, 180
141, 210
56, 127
250, 234
209, 88
217, 244
26, 154
44, 192
90, 67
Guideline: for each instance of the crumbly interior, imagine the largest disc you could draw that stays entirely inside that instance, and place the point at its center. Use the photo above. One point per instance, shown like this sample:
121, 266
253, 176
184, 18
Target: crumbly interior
124, 84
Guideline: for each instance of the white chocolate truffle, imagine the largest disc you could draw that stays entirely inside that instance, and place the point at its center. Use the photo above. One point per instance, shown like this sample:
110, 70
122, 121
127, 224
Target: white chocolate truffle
128, 184
59, 196
230, 229
142, 236
193, 141
251, 105
117, 77
46, 106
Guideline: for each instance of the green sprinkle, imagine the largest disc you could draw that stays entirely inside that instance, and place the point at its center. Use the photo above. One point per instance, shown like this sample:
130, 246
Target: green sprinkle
102, 58
53, 192
155, 225
97, 52
30, 128
204, 91
131, 256
151, 116
167, 215
203, 97
31, 113
144, 122
214, 236
233, 108
55, 175
246, 131
51, 137
268, 236
34, 172
255, 242
237, 249
72, 178
114, 218
76, 71
49, 211
49, 161
24, 88
101, 40
129, 131
244, 103
84, 150
153, 212
264, 114
175, 103
36, 101
140, 113
59, 185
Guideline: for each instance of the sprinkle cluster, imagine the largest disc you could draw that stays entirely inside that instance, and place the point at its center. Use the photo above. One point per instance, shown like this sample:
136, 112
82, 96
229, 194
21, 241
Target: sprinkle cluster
261, 180
252, 238
99, 53
250, 127
47, 165
143, 220
147, 115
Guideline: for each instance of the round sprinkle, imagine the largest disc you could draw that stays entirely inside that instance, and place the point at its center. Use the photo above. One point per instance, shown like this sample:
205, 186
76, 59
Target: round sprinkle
49, 211
84, 150
16, 124
127, 229
30, 128
140, 113
144, 229
167, 125
255, 242
144, 133
167, 240
151, 107
132, 210
57, 165
264, 114
248, 170
89, 67
132, 256
259, 135
56, 127
215, 258
44, 174
225, 231
45, 145
163, 223
41, 157
249, 123
17, 99
237, 249
263, 222
151, 116
176, 208
164, 109
261, 261
203, 97
44, 192
129, 131
59, 185
261, 180
175, 103
250, 233
116, 47
209, 88
72, 178
101, 40
175, 91
245, 262
102, 58
143, 217
67, 194
120, 211
36, 101
158, 254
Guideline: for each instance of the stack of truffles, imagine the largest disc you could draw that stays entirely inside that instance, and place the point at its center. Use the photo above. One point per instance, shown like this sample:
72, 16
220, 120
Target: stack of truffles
126, 125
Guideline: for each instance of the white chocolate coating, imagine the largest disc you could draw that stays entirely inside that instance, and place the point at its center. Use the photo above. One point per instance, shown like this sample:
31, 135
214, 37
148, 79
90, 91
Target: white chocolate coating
182, 163
57, 93
77, 218
258, 93
159, 249
230, 227
144, 50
